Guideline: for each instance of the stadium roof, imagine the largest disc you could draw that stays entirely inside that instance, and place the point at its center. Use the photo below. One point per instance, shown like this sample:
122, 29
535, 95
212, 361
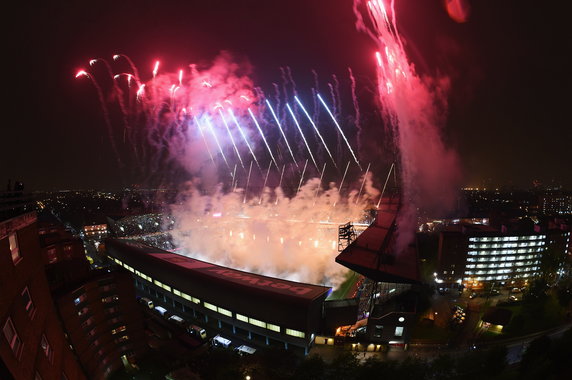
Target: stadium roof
247, 293
372, 253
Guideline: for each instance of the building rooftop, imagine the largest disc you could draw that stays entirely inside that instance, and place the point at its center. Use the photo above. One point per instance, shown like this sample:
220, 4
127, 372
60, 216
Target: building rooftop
373, 254
214, 272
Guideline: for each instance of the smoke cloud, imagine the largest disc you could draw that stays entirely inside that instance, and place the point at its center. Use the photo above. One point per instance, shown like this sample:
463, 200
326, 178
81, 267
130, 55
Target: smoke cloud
415, 109
287, 237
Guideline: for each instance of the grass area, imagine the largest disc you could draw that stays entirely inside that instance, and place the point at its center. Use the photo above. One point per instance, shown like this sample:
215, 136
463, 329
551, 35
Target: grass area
533, 317
344, 290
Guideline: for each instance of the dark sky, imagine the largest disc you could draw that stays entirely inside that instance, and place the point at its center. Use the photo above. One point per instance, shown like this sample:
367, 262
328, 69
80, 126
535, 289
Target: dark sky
508, 65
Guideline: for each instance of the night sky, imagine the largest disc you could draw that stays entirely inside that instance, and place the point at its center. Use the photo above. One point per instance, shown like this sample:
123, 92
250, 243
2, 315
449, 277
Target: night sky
509, 68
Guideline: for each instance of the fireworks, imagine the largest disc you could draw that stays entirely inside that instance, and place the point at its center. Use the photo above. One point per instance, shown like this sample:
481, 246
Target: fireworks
411, 108
211, 122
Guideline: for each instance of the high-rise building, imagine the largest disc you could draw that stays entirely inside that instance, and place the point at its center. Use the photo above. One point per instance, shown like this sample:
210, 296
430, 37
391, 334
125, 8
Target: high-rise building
103, 321
477, 255
32, 342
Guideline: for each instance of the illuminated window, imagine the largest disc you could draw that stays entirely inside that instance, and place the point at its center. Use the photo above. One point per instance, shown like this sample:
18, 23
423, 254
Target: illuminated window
272, 327
296, 333
12, 337
187, 297
79, 299
14, 249
228, 313
118, 330
82, 311
177, 293
158, 283
110, 299
166, 287
122, 338
48, 350
242, 318
399, 331
256, 322
210, 306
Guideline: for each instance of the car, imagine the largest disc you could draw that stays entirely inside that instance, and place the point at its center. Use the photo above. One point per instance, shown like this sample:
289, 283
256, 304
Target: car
243, 349
219, 341
473, 295
161, 311
197, 331
512, 299
494, 292
147, 302
177, 320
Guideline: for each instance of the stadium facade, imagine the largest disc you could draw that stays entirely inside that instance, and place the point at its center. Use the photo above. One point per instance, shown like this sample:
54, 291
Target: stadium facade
257, 308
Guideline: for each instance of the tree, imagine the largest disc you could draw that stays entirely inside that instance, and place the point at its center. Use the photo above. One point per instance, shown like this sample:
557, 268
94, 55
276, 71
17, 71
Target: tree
312, 368
344, 366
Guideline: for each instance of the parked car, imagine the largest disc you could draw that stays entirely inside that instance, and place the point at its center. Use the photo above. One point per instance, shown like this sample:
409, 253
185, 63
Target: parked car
242, 350
161, 311
197, 331
219, 341
177, 320
147, 302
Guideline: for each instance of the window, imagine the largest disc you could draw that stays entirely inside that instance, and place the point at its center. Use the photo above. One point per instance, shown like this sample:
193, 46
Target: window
12, 337
79, 299
14, 249
210, 306
83, 311
52, 256
228, 313
48, 350
256, 322
122, 339
242, 318
296, 333
189, 298
110, 299
87, 323
68, 251
108, 287
118, 330
28, 304
111, 310
399, 331
272, 327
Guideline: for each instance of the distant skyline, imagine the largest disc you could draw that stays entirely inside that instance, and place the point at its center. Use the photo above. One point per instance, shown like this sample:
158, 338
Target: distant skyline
508, 69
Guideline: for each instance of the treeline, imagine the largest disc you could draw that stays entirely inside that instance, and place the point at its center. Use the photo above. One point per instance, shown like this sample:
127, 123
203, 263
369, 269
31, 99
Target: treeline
544, 359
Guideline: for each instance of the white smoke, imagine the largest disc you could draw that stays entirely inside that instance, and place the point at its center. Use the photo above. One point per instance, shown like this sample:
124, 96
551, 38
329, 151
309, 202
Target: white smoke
293, 238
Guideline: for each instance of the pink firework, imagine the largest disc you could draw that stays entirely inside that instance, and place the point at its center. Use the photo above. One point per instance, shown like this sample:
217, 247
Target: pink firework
412, 107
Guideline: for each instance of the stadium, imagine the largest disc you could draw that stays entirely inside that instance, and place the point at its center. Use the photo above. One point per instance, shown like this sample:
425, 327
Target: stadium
263, 310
